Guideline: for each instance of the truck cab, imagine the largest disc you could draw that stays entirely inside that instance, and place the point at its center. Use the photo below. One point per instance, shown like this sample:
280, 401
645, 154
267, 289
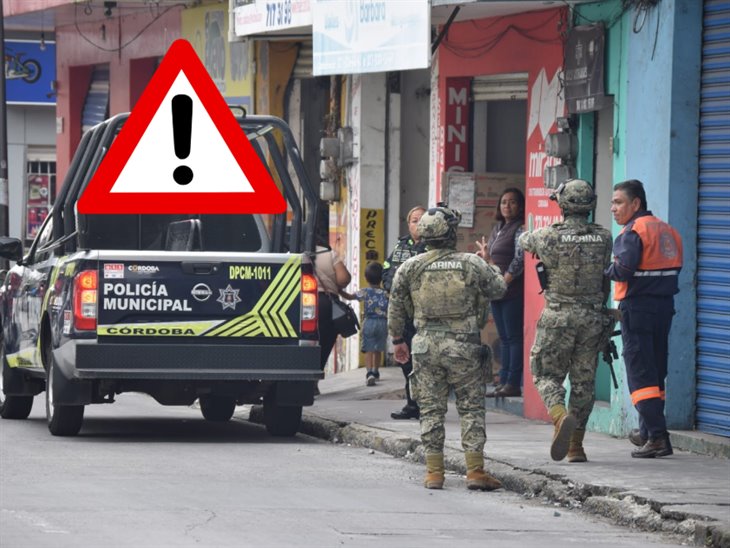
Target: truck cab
218, 309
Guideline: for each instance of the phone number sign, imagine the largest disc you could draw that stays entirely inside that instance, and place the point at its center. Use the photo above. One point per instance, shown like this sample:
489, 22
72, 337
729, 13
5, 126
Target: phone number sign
262, 16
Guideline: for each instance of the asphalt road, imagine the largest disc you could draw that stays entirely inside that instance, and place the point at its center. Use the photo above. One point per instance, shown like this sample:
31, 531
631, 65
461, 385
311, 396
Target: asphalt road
143, 475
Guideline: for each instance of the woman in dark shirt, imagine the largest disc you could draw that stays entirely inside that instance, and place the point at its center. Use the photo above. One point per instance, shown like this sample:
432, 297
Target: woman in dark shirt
502, 250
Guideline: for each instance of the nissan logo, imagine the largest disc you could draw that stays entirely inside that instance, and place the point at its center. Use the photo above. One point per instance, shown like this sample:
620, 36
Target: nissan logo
201, 293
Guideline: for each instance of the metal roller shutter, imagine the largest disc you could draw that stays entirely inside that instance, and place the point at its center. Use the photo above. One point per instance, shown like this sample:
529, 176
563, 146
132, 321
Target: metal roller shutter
713, 225
499, 87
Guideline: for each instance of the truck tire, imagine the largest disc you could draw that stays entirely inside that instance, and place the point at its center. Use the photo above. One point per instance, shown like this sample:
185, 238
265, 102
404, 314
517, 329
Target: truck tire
11, 406
281, 421
217, 408
63, 420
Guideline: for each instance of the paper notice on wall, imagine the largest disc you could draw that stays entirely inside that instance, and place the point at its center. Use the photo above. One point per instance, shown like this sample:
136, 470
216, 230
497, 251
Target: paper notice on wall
461, 196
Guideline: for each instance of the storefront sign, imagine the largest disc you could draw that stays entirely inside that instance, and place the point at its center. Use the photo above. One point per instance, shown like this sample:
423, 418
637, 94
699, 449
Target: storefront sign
265, 16
458, 114
370, 36
372, 240
30, 71
584, 69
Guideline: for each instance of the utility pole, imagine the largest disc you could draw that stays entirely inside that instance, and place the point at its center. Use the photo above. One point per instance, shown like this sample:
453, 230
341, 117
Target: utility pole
4, 191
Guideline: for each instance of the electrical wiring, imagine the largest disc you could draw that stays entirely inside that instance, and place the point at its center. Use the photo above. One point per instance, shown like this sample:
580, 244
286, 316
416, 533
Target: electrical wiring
478, 47
609, 22
128, 42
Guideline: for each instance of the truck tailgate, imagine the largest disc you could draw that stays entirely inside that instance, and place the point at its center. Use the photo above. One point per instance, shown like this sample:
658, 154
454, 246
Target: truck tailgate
199, 294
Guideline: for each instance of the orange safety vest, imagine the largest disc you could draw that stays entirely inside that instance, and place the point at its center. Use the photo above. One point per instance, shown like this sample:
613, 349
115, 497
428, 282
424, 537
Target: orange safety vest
661, 251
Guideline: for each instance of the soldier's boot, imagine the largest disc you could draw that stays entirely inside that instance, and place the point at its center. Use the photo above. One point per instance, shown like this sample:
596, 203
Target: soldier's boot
565, 424
476, 477
575, 450
434, 471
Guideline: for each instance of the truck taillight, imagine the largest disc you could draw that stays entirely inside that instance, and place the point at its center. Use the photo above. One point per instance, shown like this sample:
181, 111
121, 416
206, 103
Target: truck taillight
84, 299
309, 303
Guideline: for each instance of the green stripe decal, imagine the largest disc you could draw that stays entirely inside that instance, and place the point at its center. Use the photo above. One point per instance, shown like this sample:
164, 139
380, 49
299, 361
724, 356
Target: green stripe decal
268, 317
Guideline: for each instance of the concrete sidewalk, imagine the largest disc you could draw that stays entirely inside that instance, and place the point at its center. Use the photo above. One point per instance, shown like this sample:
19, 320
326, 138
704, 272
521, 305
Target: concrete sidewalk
686, 494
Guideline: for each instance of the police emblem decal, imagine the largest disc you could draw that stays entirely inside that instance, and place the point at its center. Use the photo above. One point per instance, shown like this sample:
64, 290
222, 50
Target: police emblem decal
229, 297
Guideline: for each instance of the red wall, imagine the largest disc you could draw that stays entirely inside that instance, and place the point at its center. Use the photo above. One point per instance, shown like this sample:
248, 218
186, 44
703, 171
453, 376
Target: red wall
501, 45
78, 50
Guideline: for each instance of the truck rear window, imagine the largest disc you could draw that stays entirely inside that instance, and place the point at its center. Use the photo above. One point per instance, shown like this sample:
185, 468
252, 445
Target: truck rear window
175, 232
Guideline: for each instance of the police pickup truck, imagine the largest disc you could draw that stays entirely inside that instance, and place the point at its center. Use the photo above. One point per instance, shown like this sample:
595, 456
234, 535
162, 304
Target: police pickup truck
221, 309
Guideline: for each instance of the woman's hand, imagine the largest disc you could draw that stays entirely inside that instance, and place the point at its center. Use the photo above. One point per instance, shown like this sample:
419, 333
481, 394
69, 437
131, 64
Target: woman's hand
483, 252
508, 278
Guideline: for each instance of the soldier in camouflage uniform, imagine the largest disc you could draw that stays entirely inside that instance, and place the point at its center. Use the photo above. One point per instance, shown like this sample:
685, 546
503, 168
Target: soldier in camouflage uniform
447, 293
573, 324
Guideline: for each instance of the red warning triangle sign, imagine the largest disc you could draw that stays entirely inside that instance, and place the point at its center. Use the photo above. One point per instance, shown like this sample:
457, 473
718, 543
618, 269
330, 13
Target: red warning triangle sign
181, 151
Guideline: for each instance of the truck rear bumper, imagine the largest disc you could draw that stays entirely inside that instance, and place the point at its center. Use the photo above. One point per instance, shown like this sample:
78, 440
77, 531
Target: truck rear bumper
88, 360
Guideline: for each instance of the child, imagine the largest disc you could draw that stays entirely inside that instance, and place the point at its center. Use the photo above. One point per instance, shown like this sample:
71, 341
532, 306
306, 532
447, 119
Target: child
375, 325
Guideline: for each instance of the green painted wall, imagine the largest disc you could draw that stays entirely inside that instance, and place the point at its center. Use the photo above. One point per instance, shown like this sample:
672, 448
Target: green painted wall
652, 72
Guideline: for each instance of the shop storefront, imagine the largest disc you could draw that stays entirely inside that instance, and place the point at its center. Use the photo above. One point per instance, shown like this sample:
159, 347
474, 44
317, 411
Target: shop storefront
30, 72
498, 99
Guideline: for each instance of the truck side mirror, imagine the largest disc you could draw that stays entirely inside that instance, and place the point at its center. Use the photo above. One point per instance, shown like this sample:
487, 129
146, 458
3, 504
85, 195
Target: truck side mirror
11, 248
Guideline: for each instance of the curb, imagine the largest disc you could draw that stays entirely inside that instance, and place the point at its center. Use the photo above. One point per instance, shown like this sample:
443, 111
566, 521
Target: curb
617, 505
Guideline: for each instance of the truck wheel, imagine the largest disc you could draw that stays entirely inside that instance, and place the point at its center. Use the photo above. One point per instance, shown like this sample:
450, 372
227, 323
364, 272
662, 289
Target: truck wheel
63, 420
281, 421
12, 407
217, 408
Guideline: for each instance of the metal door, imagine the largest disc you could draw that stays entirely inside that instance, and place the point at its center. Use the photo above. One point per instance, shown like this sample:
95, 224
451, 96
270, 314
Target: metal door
713, 225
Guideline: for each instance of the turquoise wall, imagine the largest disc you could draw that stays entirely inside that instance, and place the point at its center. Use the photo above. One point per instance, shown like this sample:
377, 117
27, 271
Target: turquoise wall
652, 72
662, 143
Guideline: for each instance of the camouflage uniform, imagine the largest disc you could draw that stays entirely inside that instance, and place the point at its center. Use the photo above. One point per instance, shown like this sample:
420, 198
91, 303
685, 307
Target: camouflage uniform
570, 329
447, 293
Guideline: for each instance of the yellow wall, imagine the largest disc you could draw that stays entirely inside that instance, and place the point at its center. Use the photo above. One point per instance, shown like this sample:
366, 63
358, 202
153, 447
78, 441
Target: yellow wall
230, 64
275, 62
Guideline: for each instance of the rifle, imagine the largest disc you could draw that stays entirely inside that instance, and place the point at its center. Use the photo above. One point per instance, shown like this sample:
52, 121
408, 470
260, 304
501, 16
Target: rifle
610, 353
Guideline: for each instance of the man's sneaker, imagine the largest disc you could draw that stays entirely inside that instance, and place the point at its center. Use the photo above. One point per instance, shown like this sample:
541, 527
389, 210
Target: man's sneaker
370, 378
408, 412
376, 373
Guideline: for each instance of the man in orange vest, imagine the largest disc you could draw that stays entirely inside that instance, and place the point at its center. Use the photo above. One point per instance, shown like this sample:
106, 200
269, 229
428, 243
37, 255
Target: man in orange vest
647, 261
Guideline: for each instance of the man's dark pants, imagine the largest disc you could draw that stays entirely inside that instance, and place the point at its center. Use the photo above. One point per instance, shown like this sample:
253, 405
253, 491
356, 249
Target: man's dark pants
409, 332
645, 326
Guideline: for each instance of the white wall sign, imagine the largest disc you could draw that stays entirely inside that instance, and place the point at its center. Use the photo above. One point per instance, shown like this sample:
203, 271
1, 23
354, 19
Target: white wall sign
351, 37
461, 196
265, 16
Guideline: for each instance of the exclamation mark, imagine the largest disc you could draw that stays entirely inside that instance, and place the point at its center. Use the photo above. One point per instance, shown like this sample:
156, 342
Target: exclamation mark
182, 123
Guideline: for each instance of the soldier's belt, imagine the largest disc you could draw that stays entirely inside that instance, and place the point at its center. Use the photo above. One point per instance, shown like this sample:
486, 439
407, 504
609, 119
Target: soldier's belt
583, 306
